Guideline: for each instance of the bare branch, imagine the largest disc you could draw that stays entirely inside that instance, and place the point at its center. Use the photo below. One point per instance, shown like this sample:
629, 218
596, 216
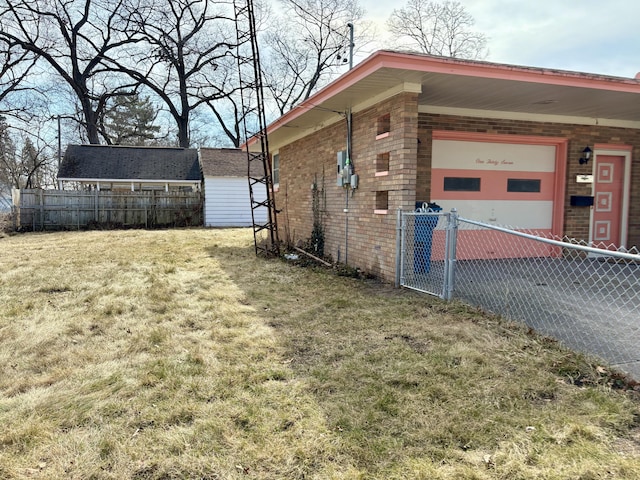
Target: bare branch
306, 48
187, 44
74, 38
437, 29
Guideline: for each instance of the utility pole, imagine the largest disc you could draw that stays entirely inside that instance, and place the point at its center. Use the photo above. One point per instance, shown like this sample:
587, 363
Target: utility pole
59, 143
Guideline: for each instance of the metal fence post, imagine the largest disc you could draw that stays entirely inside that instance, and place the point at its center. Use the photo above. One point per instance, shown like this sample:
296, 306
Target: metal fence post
41, 211
450, 254
398, 245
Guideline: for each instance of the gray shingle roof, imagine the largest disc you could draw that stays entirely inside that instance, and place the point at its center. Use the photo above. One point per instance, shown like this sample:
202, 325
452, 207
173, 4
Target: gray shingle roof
227, 162
130, 163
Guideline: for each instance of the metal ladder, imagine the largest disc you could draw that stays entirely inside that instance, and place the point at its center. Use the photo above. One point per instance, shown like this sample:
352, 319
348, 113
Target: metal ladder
252, 101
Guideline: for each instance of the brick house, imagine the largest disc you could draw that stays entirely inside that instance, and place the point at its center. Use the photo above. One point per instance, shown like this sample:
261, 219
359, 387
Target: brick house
502, 143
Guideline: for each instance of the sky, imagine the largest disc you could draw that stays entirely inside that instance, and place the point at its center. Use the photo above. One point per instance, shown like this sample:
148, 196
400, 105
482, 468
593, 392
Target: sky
588, 36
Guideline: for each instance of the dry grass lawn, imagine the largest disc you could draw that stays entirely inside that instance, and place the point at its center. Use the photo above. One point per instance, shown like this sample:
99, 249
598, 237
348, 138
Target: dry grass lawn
178, 354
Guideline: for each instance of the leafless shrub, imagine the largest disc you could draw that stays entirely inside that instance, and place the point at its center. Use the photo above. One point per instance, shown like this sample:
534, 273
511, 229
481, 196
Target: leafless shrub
6, 223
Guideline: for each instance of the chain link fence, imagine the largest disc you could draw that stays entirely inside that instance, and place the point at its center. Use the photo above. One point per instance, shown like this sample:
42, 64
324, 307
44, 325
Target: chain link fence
587, 298
426, 263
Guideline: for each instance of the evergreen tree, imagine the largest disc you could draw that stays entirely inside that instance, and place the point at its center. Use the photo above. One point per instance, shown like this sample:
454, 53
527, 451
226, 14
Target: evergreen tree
30, 168
8, 175
129, 121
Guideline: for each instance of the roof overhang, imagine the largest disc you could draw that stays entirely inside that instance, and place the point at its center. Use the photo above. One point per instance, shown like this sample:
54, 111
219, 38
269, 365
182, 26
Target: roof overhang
464, 87
125, 180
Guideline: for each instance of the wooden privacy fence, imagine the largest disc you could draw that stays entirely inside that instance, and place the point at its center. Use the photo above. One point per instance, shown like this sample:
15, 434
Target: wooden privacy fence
73, 209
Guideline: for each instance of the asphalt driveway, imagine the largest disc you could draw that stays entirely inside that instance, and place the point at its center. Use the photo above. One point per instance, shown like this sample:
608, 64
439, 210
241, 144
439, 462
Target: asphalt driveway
589, 305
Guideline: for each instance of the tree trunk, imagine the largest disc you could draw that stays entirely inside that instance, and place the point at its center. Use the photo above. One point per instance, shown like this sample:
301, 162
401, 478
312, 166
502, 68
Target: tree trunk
90, 118
183, 132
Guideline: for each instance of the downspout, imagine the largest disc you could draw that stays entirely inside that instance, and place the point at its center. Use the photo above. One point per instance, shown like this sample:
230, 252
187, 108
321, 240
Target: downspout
349, 167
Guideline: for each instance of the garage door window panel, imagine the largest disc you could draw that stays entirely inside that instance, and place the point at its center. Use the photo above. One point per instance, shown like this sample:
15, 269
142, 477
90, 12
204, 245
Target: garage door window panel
524, 185
461, 184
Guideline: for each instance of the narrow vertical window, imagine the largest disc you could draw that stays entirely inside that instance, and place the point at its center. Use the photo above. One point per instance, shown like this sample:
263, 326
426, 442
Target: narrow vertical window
382, 162
384, 124
275, 169
382, 201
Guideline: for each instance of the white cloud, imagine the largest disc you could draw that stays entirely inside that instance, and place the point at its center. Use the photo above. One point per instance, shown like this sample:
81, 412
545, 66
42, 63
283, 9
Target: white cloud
583, 35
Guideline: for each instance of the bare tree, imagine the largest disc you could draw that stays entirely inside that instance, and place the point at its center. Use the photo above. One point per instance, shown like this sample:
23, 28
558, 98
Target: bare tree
185, 44
74, 37
7, 155
437, 29
24, 161
15, 66
305, 46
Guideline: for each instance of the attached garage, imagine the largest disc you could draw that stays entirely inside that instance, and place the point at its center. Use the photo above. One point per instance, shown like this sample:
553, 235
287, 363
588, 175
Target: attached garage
226, 189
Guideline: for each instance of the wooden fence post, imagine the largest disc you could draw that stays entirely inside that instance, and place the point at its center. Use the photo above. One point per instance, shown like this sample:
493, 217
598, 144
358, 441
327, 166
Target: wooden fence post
41, 210
15, 197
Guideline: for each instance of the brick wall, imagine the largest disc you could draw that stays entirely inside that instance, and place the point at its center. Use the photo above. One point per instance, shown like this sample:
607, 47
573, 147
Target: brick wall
576, 219
370, 242
371, 239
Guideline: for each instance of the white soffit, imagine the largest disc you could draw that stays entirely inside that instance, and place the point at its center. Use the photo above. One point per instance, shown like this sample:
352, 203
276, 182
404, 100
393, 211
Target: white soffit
318, 117
476, 89
531, 117
519, 100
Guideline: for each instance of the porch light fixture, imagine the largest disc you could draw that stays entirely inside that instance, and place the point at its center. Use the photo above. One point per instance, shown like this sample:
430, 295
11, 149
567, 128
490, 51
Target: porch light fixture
586, 155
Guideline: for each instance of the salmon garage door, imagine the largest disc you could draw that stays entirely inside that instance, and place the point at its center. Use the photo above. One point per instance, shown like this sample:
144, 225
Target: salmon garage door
497, 183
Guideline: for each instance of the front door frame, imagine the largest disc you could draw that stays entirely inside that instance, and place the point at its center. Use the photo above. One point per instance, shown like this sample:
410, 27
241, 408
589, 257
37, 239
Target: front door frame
616, 151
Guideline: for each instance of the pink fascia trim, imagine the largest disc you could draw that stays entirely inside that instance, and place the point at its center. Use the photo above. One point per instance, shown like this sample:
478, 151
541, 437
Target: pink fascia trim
427, 63
561, 145
454, 66
350, 78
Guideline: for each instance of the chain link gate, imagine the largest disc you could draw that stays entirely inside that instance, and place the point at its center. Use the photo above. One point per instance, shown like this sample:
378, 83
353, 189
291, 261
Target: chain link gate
426, 252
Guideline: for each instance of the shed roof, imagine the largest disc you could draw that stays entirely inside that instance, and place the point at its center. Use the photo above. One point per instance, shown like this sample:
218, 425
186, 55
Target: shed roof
227, 162
115, 162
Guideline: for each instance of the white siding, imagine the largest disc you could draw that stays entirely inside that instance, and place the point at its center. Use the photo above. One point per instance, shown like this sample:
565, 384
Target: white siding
227, 203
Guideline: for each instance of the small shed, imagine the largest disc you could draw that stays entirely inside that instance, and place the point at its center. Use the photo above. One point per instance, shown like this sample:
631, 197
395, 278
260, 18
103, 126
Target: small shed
226, 189
116, 167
